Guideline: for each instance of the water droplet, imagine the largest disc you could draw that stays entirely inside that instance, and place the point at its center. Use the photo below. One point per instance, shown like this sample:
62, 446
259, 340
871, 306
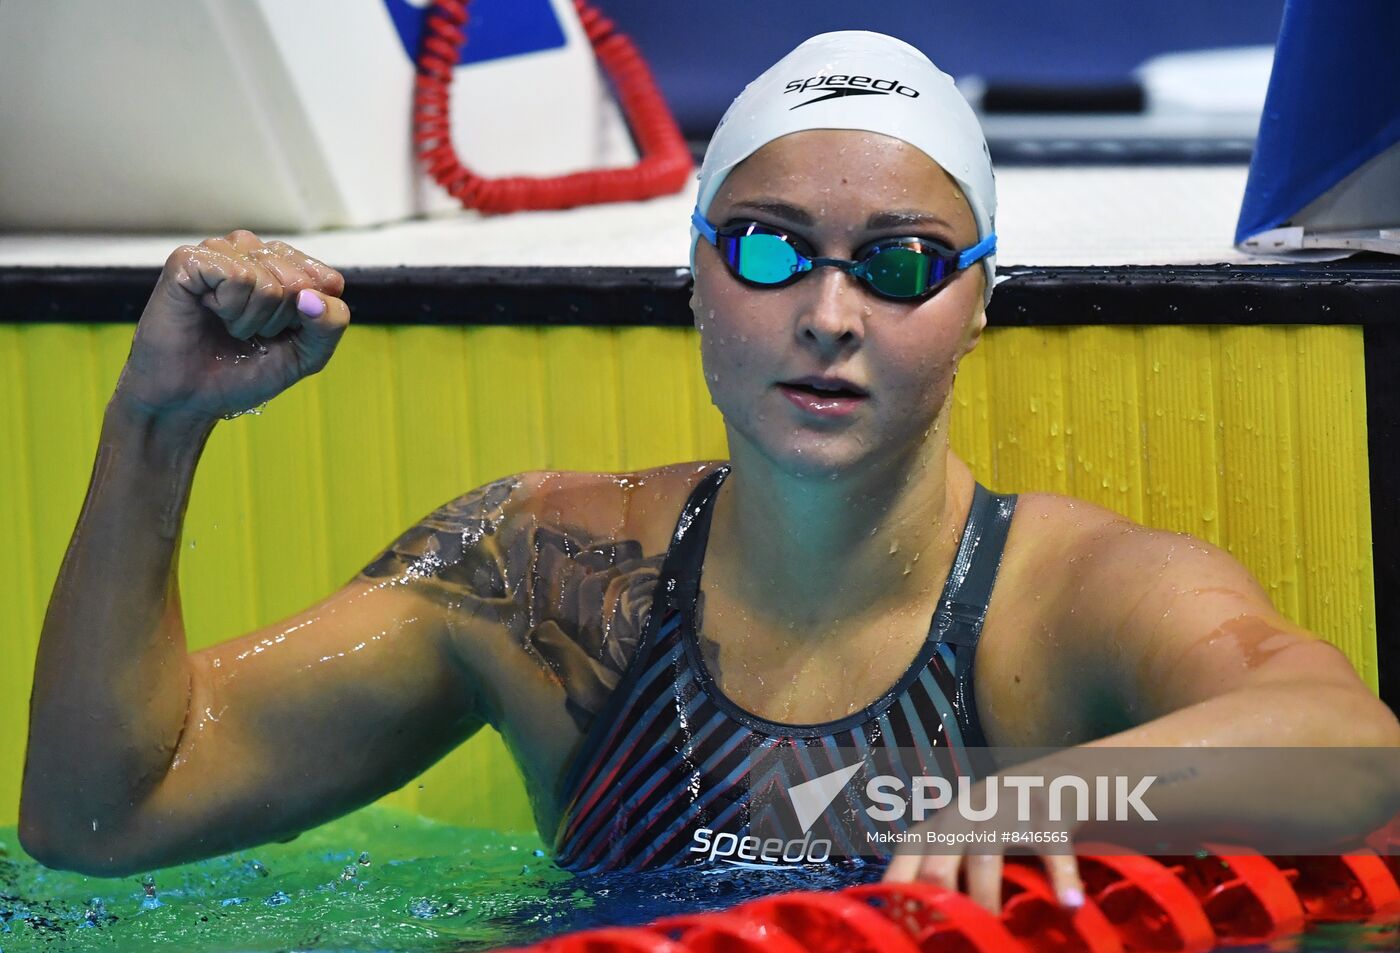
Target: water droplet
96, 913
254, 411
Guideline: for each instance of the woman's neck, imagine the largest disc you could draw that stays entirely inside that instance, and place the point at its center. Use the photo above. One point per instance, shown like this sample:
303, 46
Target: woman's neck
813, 551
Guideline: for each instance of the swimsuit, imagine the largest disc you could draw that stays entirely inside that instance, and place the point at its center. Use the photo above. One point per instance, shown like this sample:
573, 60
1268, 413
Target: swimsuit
670, 755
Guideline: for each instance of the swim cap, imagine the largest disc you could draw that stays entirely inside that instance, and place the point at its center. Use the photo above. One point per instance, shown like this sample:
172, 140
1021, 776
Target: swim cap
855, 79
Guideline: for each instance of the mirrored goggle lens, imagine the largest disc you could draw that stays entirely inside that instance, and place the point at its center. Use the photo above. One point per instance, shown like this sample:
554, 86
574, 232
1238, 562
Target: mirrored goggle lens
763, 259
903, 272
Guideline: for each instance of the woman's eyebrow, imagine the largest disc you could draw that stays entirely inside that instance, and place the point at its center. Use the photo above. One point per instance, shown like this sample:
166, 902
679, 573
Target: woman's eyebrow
904, 218
894, 218
777, 209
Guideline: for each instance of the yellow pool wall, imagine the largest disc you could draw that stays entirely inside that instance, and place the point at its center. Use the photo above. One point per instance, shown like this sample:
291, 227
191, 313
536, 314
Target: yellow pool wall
1253, 438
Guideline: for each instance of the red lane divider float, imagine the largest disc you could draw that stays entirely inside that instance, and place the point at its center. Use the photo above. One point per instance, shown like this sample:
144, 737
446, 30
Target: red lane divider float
726, 933
1135, 905
1247, 899
832, 922
1352, 887
1035, 917
1150, 908
1388, 844
937, 918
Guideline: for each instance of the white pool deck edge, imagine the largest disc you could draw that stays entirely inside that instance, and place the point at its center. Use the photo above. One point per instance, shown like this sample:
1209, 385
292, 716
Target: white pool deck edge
1048, 217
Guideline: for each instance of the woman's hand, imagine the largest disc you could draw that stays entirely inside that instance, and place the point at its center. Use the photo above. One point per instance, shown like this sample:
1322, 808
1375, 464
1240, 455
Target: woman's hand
232, 322
949, 842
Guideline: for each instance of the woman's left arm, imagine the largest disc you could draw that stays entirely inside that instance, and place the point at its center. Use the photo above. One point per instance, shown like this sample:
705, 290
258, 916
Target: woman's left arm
1194, 653
1184, 648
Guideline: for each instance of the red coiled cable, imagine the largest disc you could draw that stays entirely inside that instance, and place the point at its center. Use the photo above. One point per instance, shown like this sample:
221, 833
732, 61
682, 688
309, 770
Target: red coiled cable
665, 160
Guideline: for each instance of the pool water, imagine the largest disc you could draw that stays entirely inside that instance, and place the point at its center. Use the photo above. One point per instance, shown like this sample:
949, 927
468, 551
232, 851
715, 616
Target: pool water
386, 880
375, 880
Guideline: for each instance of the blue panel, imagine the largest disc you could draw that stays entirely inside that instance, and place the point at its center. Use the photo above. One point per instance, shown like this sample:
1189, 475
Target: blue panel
495, 28
1333, 104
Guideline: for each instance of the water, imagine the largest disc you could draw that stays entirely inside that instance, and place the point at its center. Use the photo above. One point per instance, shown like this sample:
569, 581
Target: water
385, 880
416, 886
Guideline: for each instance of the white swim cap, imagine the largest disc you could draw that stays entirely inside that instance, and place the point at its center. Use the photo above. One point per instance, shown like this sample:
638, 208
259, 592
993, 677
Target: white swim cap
855, 79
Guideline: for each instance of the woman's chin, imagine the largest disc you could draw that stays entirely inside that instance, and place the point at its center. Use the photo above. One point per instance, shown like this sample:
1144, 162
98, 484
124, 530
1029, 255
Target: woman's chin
828, 458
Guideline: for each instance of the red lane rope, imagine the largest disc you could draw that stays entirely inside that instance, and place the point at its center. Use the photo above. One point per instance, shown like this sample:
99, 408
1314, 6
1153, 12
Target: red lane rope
1134, 903
665, 160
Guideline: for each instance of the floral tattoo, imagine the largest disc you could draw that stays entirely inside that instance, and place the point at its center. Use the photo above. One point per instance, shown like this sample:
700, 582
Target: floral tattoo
583, 600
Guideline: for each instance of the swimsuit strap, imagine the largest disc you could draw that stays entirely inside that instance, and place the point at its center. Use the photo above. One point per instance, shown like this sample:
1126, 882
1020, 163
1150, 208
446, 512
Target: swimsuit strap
968, 591
683, 555
963, 608
693, 522
680, 573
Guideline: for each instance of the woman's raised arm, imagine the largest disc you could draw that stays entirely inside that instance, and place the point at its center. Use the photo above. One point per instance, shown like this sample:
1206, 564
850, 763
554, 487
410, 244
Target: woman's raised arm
141, 754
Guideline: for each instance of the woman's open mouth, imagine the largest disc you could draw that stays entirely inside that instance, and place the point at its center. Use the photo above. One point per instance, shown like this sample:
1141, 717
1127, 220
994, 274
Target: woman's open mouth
824, 397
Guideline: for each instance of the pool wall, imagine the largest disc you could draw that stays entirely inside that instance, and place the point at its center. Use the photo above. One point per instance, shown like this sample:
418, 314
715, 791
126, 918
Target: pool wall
1252, 437
1249, 437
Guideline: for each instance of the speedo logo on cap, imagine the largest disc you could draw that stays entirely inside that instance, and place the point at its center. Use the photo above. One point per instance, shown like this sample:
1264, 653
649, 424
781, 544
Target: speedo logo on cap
838, 84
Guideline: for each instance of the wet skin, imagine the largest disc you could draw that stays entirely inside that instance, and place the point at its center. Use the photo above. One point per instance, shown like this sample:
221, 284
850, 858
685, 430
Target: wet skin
519, 604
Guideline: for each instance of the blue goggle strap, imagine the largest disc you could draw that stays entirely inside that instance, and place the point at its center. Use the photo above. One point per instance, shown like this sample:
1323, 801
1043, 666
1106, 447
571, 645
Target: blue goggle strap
976, 253
703, 226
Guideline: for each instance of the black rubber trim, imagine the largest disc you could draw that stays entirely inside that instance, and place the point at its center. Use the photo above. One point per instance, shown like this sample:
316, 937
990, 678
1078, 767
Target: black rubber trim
1135, 151
1383, 450
402, 295
1360, 292
1357, 293
1042, 99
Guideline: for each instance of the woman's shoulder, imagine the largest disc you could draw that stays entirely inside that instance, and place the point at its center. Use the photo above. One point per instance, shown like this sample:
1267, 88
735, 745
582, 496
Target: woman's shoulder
586, 550
641, 505
1053, 521
1047, 524
483, 539
1092, 561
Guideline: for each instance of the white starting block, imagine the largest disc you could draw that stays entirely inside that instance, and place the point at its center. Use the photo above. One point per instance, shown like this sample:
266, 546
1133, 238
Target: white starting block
208, 114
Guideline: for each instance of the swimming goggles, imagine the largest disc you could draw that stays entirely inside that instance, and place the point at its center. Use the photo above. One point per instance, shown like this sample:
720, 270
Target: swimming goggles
902, 269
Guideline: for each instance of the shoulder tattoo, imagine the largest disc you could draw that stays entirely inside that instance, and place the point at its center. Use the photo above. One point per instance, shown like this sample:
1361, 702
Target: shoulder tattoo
577, 602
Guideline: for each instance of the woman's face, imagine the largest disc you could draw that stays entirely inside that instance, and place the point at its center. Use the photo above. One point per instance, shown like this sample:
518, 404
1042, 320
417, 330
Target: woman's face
839, 190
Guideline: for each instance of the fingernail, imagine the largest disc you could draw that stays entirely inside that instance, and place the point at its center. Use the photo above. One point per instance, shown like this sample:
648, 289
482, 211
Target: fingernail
310, 304
1072, 898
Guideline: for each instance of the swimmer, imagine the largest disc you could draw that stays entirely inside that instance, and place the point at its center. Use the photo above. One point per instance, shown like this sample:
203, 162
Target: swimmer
840, 579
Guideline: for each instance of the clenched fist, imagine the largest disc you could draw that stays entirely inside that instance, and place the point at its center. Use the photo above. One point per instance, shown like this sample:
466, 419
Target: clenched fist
232, 322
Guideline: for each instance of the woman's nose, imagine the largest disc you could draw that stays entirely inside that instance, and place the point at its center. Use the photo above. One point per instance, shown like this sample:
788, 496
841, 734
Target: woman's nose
832, 314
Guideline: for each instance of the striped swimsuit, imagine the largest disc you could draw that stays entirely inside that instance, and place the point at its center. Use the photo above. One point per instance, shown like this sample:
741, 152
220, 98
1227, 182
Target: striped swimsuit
669, 754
